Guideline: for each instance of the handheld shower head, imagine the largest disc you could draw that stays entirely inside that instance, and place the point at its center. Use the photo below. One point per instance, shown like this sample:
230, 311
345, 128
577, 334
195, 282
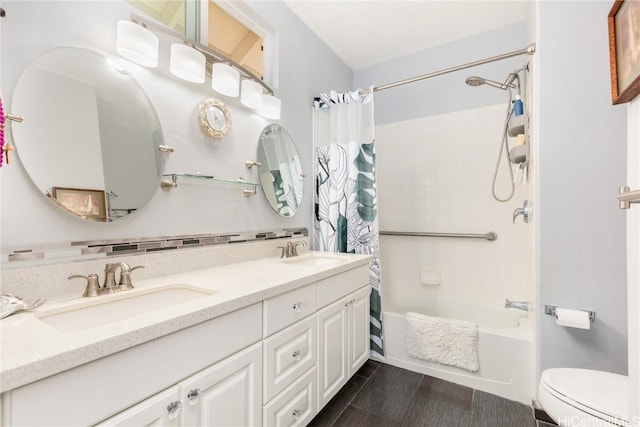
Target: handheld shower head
479, 81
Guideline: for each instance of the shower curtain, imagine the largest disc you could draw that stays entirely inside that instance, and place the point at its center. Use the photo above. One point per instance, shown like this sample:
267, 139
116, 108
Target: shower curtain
346, 214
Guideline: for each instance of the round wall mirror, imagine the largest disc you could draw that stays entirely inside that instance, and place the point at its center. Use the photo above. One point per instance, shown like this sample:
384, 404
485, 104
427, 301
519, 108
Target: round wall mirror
280, 170
90, 136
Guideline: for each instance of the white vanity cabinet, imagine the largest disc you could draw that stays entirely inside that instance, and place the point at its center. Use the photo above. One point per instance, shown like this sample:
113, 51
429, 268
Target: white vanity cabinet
100, 389
343, 332
225, 394
275, 362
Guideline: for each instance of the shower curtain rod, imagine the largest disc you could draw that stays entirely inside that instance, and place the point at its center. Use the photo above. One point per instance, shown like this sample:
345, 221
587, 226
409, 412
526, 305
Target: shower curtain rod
529, 50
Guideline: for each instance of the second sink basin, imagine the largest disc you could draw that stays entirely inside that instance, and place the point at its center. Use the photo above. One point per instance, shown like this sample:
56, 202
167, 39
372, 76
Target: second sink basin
105, 309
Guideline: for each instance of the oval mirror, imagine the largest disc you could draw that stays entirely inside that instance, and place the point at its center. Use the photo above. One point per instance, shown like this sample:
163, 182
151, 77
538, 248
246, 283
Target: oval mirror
280, 170
90, 136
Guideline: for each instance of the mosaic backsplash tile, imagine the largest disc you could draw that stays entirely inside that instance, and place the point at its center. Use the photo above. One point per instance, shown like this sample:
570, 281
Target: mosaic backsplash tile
92, 249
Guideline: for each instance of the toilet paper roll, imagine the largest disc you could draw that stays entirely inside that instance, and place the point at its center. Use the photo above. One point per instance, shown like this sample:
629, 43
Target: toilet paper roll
573, 318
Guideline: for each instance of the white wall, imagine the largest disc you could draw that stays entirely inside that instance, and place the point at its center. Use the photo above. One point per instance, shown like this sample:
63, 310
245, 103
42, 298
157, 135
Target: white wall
306, 65
582, 147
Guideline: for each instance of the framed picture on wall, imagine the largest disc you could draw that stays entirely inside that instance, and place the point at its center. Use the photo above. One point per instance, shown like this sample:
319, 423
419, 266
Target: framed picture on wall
89, 204
624, 50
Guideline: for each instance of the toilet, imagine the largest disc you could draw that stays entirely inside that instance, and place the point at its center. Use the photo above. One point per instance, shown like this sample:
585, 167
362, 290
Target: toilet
577, 397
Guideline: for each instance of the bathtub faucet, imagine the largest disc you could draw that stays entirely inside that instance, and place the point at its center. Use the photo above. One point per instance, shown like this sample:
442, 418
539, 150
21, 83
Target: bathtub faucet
520, 305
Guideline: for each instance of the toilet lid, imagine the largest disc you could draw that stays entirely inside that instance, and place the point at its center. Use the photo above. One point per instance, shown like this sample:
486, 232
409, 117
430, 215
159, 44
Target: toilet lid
597, 392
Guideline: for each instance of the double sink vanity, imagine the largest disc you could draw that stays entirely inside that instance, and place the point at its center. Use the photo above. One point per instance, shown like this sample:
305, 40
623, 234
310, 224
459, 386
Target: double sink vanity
262, 342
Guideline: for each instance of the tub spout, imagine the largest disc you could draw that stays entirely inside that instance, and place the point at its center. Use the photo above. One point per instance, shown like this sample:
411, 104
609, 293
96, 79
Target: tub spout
520, 305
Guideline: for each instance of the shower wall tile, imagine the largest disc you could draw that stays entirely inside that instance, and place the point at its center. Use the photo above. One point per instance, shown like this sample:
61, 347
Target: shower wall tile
434, 174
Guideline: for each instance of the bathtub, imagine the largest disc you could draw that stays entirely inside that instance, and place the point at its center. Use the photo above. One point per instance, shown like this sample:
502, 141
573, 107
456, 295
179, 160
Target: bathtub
505, 347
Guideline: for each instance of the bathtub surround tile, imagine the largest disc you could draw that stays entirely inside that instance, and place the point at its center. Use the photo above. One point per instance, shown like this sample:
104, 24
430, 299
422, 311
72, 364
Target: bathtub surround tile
388, 392
486, 407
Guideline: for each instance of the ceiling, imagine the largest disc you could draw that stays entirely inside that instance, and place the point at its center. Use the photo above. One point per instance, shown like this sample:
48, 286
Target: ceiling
368, 32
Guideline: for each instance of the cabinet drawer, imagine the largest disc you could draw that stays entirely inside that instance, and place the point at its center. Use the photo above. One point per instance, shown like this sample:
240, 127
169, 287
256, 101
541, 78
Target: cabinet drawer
296, 406
287, 355
286, 309
334, 287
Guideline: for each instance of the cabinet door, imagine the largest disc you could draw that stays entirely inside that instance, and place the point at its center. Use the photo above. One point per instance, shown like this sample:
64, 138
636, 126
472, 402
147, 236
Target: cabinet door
332, 350
161, 410
358, 304
228, 393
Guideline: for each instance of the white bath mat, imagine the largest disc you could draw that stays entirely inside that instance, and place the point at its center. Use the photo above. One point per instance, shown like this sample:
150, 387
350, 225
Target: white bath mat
450, 342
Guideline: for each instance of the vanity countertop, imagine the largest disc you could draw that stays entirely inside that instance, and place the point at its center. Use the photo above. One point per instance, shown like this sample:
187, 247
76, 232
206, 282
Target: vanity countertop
31, 350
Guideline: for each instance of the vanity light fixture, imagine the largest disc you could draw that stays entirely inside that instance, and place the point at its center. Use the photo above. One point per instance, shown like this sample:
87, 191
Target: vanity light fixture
189, 60
251, 95
137, 44
187, 63
225, 79
270, 108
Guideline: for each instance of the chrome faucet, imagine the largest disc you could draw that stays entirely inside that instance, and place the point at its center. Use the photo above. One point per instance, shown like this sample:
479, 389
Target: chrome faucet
110, 286
291, 249
519, 305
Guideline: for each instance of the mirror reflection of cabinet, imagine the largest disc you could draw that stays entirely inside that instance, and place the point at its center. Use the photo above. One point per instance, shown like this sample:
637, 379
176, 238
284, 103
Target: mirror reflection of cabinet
88, 126
280, 170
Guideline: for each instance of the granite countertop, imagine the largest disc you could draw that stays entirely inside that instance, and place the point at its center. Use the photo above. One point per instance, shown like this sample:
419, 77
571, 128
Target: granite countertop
31, 350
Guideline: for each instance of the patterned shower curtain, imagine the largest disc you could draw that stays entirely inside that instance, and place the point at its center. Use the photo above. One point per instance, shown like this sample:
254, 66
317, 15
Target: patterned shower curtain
346, 214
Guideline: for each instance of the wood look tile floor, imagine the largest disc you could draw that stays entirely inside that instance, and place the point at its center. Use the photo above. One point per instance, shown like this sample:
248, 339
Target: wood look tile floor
381, 395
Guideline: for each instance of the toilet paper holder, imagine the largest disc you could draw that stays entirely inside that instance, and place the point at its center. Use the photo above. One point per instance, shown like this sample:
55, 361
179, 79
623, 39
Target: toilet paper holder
551, 309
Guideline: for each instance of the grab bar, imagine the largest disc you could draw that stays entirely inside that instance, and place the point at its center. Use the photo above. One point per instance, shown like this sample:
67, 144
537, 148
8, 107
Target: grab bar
491, 236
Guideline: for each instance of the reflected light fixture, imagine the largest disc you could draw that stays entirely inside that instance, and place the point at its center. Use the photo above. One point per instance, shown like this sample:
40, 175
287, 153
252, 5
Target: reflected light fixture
270, 108
251, 94
137, 44
225, 79
187, 63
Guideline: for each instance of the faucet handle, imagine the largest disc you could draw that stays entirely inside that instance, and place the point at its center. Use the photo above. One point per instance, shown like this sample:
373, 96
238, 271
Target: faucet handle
93, 285
125, 277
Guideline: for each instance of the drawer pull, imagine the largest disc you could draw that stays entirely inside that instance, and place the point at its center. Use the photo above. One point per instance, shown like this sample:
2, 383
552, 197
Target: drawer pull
173, 409
348, 303
297, 355
297, 307
296, 413
194, 396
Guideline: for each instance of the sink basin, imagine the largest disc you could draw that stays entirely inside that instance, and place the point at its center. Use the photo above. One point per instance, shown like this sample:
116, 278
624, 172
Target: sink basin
105, 309
317, 260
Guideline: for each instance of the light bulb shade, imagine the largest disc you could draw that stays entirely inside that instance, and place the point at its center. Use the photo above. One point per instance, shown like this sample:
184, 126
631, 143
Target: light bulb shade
251, 95
187, 63
270, 108
137, 44
225, 79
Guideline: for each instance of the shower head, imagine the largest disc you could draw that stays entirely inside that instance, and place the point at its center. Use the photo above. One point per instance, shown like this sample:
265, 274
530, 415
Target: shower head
508, 84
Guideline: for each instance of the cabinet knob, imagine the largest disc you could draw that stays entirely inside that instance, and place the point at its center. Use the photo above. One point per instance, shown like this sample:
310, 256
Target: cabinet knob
173, 409
296, 413
297, 355
297, 307
194, 396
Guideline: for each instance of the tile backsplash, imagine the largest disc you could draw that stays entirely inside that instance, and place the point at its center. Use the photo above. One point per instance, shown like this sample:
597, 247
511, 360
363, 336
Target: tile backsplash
44, 271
